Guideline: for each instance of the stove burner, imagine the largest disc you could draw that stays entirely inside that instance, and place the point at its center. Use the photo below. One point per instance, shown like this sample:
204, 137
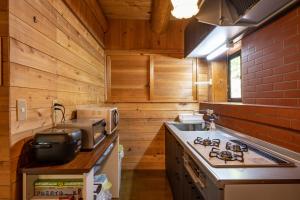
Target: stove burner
226, 155
207, 142
236, 147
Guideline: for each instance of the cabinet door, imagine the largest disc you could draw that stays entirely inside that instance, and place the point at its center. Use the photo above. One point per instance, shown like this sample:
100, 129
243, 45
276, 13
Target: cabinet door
127, 78
173, 79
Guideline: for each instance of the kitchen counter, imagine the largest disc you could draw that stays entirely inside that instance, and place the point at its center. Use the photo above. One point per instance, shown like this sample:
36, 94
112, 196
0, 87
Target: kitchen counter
222, 176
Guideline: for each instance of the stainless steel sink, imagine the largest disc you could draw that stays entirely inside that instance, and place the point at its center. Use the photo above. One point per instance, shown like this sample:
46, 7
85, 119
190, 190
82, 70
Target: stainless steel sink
190, 127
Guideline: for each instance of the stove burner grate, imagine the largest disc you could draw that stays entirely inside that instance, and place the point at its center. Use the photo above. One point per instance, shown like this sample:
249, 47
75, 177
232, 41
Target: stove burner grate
226, 155
236, 147
207, 142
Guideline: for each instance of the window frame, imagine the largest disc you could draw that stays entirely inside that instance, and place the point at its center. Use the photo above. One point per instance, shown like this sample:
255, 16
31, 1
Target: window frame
232, 56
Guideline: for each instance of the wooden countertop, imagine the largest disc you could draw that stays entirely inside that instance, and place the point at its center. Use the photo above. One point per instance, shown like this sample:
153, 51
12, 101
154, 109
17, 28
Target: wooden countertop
82, 163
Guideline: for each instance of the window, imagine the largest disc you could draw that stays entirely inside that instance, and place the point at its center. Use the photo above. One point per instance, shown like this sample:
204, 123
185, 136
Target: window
235, 82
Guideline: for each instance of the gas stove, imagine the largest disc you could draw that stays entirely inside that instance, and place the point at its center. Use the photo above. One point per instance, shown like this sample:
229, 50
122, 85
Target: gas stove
230, 152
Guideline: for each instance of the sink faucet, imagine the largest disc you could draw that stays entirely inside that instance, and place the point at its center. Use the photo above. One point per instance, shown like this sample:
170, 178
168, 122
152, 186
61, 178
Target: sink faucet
211, 116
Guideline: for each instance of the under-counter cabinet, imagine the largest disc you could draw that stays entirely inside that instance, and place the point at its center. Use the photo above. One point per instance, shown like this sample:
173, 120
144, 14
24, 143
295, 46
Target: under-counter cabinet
182, 185
103, 159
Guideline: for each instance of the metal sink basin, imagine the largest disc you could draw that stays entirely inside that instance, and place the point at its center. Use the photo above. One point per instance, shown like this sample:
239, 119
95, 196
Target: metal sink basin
190, 127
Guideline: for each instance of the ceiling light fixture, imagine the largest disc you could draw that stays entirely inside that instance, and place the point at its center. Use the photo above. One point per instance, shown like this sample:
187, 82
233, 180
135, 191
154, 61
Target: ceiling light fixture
183, 9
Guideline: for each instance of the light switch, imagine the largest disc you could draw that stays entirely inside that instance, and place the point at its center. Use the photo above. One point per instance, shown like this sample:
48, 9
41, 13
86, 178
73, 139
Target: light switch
21, 110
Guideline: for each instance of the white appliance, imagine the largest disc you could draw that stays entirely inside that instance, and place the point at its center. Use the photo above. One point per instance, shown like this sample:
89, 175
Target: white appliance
110, 114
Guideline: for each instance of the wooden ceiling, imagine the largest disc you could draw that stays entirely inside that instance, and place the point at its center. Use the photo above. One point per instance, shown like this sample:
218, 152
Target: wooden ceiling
127, 9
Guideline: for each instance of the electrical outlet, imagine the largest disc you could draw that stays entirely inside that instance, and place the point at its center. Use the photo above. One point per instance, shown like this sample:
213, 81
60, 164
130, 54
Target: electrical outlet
21, 110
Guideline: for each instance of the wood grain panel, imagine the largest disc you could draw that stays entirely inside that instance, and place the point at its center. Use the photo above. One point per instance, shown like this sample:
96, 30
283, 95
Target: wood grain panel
4, 99
127, 9
218, 70
87, 17
59, 19
129, 78
202, 75
150, 78
142, 123
137, 35
174, 79
142, 131
52, 56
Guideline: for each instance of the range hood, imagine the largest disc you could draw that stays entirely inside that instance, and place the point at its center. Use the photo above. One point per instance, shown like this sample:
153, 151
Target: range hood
228, 21
240, 12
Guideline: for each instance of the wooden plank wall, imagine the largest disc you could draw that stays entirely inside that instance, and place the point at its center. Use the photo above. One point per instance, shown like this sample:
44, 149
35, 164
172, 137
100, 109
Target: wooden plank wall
137, 35
53, 56
141, 124
4, 112
218, 73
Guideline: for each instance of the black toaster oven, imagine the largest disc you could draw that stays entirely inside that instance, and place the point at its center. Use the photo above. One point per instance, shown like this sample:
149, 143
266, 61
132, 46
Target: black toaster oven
93, 131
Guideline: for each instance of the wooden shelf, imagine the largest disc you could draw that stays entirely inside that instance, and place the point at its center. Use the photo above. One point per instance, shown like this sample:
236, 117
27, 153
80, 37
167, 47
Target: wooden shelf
82, 163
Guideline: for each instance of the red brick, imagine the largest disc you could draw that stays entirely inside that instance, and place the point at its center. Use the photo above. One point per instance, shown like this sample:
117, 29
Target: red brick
294, 58
292, 94
255, 68
254, 81
264, 73
266, 58
264, 87
255, 55
292, 76
249, 76
270, 94
285, 69
249, 64
273, 79
285, 85
249, 101
273, 63
264, 101
285, 102
250, 89
274, 76
292, 41
296, 124
278, 46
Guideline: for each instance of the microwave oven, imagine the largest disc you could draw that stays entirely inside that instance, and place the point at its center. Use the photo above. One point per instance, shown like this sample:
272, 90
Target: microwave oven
110, 114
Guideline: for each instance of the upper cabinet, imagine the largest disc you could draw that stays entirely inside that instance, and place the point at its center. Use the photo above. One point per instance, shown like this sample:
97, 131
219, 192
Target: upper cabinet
172, 79
150, 78
128, 78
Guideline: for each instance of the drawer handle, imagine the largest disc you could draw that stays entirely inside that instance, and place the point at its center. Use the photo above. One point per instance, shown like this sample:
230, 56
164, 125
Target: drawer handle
196, 179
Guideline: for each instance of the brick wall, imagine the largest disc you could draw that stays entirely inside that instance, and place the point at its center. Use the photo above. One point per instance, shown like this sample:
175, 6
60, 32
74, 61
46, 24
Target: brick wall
271, 63
279, 125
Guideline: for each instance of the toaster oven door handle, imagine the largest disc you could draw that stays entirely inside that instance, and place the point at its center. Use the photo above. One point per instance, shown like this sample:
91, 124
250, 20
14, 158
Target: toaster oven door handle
41, 145
117, 117
196, 179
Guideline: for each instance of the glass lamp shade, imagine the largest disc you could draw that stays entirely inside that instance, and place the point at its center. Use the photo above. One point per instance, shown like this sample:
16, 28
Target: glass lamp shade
183, 9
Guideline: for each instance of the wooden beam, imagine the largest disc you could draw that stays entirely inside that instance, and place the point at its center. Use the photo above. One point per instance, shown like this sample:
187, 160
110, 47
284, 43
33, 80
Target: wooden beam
161, 11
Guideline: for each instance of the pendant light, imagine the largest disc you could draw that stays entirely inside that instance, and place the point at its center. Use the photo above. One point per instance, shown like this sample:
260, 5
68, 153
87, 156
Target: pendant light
183, 9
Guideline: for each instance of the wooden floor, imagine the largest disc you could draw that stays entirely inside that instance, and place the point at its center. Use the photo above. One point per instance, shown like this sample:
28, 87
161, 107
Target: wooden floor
144, 185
